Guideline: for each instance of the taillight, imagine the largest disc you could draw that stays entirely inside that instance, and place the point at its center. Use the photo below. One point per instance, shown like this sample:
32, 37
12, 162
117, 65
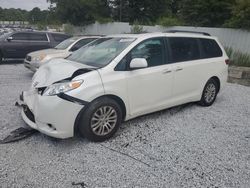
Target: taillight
227, 61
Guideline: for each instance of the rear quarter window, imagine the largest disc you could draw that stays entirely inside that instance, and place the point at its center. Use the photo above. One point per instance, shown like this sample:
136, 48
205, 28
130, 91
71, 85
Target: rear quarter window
59, 37
210, 48
38, 37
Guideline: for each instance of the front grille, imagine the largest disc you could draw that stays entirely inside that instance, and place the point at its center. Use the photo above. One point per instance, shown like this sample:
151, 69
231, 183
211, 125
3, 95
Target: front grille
28, 58
28, 113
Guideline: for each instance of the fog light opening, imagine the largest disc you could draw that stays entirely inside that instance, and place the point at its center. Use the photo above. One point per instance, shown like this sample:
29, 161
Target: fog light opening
51, 126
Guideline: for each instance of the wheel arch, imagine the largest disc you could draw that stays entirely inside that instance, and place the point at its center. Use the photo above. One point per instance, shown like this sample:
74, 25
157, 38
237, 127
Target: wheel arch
218, 82
114, 97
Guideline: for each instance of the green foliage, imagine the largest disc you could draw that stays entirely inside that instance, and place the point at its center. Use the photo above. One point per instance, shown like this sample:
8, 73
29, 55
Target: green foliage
13, 14
69, 29
41, 26
209, 13
81, 12
169, 21
240, 15
104, 20
238, 58
136, 28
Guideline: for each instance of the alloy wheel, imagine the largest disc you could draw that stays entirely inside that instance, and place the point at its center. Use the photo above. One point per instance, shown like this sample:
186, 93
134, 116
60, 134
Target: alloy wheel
210, 93
103, 120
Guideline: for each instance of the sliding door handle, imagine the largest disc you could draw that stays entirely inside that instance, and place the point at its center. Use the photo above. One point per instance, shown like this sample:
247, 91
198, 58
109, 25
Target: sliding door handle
167, 71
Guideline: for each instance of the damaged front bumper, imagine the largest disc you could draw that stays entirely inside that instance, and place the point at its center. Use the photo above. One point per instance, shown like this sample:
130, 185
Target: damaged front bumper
51, 115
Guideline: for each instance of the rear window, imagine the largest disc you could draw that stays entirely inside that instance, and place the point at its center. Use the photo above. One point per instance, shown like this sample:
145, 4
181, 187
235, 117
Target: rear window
59, 37
184, 49
38, 37
210, 48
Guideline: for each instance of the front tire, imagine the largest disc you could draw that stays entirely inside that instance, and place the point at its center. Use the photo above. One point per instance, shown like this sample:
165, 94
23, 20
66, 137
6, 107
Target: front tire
209, 93
100, 120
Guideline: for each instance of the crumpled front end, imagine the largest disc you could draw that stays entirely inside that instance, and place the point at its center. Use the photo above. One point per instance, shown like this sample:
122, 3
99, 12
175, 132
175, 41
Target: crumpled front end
50, 115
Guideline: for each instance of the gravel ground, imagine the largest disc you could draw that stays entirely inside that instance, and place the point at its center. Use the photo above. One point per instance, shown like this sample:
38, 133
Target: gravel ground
186, 146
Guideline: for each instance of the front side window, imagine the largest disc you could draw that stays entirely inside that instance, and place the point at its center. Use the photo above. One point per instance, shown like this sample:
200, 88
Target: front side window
152, 50
20, 36
210, 48
184, 49
100, 52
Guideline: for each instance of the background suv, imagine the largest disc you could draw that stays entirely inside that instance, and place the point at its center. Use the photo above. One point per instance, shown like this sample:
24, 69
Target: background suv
35, 59
19, 44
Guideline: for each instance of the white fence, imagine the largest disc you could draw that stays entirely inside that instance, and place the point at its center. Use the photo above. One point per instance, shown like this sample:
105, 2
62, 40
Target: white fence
235, 38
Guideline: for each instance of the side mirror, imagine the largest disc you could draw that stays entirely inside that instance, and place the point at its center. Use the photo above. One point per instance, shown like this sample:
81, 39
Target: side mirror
9, 39
138, 63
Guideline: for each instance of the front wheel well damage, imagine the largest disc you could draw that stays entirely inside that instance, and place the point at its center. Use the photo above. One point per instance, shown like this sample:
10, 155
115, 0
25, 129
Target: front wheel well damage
114, 97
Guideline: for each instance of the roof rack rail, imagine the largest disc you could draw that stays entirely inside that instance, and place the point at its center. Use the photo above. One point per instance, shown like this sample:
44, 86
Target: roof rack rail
183, 31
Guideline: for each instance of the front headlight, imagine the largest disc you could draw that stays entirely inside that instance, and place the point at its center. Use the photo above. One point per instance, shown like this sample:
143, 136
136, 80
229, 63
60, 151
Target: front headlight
39, 58
62, 87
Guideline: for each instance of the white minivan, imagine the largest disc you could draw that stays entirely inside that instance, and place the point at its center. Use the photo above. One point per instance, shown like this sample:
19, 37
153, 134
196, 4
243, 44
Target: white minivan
120, 77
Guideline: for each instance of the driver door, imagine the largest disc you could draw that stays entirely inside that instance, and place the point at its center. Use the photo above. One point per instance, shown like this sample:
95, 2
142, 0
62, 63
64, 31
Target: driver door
150, 89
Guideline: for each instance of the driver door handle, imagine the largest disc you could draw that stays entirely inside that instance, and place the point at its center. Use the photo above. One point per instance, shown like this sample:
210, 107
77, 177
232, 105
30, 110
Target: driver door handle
166, 71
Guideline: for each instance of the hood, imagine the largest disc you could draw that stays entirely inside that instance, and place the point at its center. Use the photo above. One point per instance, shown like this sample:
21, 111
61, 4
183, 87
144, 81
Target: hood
57, 70
46, 52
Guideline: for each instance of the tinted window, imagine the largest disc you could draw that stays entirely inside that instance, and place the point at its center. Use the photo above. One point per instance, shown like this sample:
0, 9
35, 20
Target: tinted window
81, 43
210, 48
38, 37
184, 49
152, 50
59, 37
20, 36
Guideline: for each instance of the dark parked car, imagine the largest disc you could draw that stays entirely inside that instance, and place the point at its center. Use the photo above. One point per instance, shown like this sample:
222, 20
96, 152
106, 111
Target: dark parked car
19, 44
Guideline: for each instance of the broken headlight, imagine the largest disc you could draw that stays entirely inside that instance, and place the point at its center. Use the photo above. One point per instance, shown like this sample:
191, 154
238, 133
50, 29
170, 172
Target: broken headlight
63, 87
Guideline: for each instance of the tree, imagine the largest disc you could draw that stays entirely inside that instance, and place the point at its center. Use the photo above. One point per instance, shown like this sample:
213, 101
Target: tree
37, 16
13, 14
211, 13
143, 11
81, 12
240, 15
119, 10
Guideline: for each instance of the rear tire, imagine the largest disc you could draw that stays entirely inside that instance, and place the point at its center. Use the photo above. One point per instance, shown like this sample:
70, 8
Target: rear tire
100, 120
210, 92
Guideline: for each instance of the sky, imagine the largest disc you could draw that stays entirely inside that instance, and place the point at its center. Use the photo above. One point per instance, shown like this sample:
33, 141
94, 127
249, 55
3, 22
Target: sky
24, 4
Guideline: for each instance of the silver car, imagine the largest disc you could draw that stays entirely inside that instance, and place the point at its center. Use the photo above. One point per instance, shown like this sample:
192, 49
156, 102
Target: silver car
35, 59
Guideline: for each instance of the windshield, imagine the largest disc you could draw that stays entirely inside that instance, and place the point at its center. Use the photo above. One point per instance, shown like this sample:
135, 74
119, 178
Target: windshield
66, 43
101, 52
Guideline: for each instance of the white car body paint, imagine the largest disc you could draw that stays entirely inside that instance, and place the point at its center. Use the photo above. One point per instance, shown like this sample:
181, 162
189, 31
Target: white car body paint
142, 91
